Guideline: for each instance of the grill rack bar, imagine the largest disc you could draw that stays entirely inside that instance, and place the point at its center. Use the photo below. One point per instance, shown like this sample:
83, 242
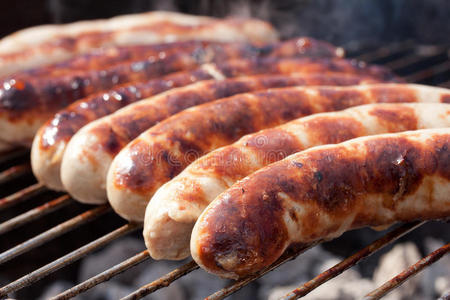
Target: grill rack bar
14, 172
104, 276
67, 259
22, 195
288, 255
428, 72
412, 59
163, 281
34, 213
379, 54
404, 62
384, 52
407, 273
350, 261
53, 232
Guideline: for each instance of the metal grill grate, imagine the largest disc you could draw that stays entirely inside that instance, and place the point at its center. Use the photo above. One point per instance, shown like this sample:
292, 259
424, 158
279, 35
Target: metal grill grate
423, 64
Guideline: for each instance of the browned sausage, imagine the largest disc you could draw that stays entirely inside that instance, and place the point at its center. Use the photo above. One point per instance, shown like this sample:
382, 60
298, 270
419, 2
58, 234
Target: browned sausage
173, 210
163, 151
90, 151
50, 141
32, 97
322, 192
48, 44
140, 56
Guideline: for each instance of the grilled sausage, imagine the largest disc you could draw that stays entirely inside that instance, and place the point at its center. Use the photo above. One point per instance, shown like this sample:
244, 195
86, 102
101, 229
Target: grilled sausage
138, 58
173, 210
48, 44
39, 93
322, 192
163, 151
89, 153
50, 141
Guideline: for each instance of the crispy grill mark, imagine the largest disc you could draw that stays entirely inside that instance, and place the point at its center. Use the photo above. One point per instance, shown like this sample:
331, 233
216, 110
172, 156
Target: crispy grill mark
442, 149
141, 172
445, 99
396, 119
342, 99
272, 145
331, 130
399, 94
229, 163
67, 122
109, 140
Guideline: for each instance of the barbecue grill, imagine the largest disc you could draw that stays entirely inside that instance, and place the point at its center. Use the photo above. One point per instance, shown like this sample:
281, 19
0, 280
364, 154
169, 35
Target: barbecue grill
26, 203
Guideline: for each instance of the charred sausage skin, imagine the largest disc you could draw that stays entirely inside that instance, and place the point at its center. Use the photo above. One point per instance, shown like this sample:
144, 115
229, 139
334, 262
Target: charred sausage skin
163, 151
50, 141
35, 95
90, 151
43, 45
321, 193
176, 205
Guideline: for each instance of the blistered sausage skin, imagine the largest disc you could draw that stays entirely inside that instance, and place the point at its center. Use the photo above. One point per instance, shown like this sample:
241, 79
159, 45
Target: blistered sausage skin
89, 153
163, 151
322, 192
173, 210
48, 44
31, 97
50, 141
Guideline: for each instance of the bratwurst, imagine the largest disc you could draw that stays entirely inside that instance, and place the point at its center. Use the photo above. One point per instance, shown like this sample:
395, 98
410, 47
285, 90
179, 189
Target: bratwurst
173, 210
47, 44
50, 141
322, 192
163, 151
30, 98
91, 150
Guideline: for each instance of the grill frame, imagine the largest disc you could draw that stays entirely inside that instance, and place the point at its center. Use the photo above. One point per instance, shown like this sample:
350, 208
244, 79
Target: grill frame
430, 65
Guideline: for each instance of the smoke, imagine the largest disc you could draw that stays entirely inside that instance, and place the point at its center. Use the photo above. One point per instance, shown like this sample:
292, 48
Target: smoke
337, 21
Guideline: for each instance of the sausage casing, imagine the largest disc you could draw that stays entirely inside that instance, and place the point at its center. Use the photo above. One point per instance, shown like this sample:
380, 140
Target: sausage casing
50, 141
176, 205
90, 151
164, 150
43, 45
29, 98
322, 192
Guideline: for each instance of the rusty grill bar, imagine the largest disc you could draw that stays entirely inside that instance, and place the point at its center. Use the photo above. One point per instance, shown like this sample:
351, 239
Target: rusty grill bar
430, 65
411, 271
53, 233
22, 195
351, 261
